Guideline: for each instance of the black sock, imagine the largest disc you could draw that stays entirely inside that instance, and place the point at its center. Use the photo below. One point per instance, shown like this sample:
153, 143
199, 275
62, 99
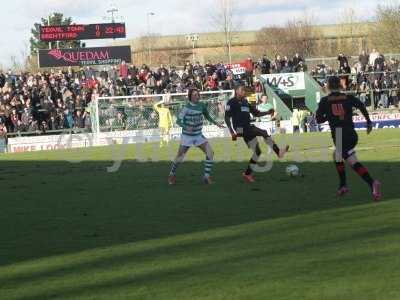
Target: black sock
254, 159
342, 173
276, 149
270, 142
363, 173
249, 170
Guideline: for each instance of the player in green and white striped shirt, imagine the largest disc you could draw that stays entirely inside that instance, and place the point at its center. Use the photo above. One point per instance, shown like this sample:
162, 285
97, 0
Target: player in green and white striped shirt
191, 119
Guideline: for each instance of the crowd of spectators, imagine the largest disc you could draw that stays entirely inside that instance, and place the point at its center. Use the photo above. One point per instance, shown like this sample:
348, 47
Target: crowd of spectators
280, 64
45, 101
59, 99
371, 77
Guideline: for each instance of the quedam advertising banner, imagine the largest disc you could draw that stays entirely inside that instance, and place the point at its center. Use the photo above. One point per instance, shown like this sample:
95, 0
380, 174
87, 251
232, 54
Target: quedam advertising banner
84, 56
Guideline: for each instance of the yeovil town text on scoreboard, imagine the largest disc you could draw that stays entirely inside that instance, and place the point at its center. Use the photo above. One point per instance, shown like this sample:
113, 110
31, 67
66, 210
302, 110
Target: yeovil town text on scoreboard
82, 32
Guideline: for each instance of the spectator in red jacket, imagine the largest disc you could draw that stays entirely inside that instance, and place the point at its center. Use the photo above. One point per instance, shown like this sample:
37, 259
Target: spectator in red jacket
212, 82
249, 65
92, 82
143, 76
123, 70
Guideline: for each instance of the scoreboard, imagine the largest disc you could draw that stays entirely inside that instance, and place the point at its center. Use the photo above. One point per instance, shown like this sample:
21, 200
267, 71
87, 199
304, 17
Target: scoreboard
82, 32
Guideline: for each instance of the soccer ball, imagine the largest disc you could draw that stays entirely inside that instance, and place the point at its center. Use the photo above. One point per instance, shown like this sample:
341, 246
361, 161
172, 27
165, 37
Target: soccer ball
292, 171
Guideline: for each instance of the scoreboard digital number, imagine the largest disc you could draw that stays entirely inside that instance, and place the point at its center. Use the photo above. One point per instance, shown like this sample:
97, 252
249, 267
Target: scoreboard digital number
82, 32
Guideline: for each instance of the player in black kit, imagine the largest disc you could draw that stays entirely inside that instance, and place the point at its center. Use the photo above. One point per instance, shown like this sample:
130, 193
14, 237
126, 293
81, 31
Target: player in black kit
238, 120
337, 109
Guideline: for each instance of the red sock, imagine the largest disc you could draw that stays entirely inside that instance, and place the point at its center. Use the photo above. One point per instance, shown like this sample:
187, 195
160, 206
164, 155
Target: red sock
342, 173
363, 173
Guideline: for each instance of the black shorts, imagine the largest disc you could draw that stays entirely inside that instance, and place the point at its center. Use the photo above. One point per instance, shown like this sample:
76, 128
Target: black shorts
346, 146
253, 132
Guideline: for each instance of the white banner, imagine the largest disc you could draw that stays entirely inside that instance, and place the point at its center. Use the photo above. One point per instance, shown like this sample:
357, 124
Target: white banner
378, 117
286, 81
70, 141
237, 69
380, 121
49, 142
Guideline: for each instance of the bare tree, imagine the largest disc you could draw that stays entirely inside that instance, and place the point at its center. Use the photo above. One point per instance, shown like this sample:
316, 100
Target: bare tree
303, 35
225, 21
15, 64
349, 31
25, 58
141, 47
385, 34
269, 41
177, 52
297, 36
142, 53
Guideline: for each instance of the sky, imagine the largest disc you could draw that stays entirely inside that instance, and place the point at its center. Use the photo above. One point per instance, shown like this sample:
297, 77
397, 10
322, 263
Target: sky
170, 16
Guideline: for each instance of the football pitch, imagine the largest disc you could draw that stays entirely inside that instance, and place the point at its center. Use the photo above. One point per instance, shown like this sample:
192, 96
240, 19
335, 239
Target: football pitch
69, 229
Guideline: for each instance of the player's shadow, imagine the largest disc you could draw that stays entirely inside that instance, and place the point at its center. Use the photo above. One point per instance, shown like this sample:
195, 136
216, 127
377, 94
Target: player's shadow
54, 208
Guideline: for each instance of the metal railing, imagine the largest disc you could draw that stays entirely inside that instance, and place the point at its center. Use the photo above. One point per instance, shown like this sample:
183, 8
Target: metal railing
369, 90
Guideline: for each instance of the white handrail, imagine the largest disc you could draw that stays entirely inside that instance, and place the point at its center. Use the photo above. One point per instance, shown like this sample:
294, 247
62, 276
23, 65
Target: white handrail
162, 95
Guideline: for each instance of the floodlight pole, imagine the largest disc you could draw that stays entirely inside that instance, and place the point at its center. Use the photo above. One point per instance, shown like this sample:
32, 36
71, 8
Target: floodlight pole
194, 38
112, 11
48, 23
148, 36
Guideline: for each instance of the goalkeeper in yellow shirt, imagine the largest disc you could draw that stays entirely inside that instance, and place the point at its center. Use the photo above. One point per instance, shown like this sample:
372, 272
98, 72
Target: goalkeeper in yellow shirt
165, 122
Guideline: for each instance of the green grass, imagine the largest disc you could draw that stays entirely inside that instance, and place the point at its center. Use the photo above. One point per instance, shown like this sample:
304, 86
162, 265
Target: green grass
72, 230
